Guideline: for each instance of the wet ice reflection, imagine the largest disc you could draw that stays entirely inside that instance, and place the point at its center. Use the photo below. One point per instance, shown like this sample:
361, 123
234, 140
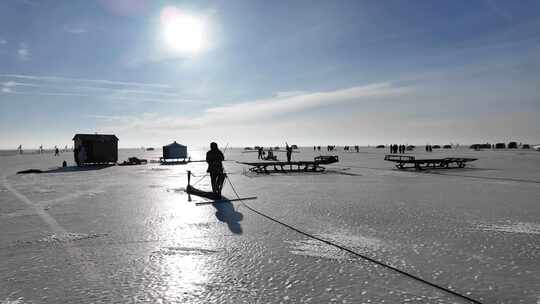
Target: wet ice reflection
181, 272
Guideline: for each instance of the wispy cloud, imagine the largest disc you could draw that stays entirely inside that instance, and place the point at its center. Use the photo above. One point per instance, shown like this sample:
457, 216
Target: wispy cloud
75, 29
28, 2
497, 10
23, 53
254, 111
146, 92
3, 41
82, 80
100, 89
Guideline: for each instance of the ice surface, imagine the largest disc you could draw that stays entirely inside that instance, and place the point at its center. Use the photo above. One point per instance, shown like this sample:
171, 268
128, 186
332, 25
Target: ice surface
129, 234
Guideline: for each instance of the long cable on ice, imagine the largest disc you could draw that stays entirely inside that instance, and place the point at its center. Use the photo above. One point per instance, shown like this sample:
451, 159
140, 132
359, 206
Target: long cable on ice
412, 276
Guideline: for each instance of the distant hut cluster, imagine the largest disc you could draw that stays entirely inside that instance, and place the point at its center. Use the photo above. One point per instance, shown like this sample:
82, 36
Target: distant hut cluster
94, 149
500, 145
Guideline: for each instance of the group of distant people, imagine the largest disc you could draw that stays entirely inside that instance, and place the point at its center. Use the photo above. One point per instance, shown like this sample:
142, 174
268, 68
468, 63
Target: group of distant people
331, 148
429, 148
270, 153
40, 150
266, 155
328, 148
395, 149
356, 148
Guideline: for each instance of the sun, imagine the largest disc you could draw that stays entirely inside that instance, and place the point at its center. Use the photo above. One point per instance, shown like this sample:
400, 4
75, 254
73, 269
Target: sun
182, 33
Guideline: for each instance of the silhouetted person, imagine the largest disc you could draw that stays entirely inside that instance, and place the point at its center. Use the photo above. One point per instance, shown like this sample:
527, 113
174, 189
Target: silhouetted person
261, 154
56, 151
64, 164
214, 158
20, 149
314, 148
357, 148
270, 155
289, 152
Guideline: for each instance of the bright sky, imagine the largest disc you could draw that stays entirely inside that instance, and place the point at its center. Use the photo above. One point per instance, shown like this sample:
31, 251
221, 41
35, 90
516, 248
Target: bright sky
266, 72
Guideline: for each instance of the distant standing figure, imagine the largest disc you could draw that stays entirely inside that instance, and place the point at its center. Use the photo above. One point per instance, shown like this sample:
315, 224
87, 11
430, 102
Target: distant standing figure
40, 149
260, 150
56, 151
289, 152
20, 149
314, 148
214, 158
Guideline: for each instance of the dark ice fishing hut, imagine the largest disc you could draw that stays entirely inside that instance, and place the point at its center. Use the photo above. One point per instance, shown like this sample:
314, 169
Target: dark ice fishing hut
95, 149
174, 152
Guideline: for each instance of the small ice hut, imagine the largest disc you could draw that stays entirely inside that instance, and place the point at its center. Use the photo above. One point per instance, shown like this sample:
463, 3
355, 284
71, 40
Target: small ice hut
174, 152
92, 149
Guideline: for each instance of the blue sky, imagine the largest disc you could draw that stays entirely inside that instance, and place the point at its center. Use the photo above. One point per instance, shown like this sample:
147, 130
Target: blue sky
308, 72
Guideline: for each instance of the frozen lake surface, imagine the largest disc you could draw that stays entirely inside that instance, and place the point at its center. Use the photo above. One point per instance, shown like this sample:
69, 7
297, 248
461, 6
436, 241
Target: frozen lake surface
129, 234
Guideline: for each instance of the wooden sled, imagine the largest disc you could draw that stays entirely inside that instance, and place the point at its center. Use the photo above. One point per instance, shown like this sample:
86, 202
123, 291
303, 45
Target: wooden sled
214, 197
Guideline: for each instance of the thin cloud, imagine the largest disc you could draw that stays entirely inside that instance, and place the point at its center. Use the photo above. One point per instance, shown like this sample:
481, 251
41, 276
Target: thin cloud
23, 53
76, 30
28, 2
82, 80
98, 93
254, 111
497, 10
132, 100
43, 93
154, 100
10, 84
146, 92
3, 41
